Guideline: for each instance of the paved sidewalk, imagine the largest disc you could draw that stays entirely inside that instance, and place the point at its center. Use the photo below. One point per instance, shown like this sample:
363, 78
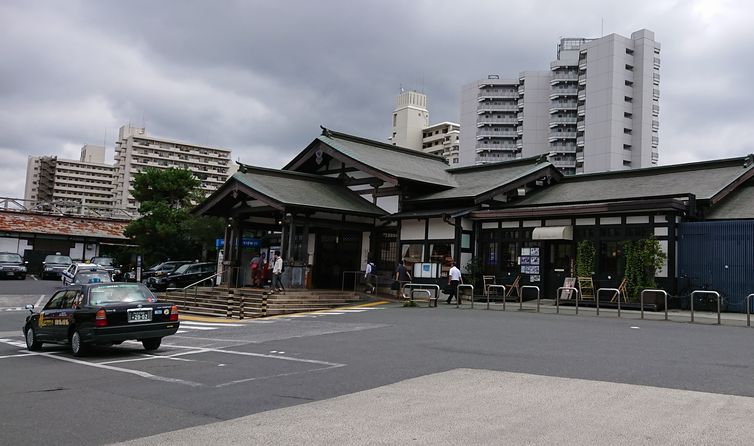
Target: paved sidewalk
480, 407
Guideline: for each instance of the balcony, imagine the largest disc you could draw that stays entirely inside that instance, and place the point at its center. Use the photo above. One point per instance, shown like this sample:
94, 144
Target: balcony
563, 76
564, 163
581, 111
520, 89
582, 80
489, 120
563, 92
520, 116
494, 94
582, 96
497, 107
556, 106
565, 120
582, 64
563, 148
519, 144
520, 130
580, 141
495, 146
491, 133
554, 136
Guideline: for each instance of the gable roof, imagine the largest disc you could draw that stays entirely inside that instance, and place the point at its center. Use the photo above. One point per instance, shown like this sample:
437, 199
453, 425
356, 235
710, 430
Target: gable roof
287, 188
473, 181
394, 161
706, 180
739, 205
30, 223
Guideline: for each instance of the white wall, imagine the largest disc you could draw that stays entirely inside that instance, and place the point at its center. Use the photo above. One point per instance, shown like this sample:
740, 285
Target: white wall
388, 204
438, 229
412, 230
365, 248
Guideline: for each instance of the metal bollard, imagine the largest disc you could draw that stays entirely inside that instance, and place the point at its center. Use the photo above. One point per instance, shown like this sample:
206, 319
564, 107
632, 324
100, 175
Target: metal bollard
458, 297
597, 297
489, 291
557, 296
714, 293
748, 309
641, 304
532, 287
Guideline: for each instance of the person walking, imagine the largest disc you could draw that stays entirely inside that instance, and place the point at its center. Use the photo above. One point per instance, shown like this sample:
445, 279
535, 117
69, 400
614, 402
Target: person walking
454, 279
370, 277
277, 270
402, 276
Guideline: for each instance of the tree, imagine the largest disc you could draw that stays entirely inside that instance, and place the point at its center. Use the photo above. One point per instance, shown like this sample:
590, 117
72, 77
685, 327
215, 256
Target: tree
166, 228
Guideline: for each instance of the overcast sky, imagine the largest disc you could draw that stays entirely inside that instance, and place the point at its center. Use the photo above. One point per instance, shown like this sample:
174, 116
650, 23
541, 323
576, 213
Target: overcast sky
260, 77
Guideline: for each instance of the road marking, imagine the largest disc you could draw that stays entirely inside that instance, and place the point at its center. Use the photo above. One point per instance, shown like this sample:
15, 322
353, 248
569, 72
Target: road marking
14, 343
39, 302
20, 355
209, 324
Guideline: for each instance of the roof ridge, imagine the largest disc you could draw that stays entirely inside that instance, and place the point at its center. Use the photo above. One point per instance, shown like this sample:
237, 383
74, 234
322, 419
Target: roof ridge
507, 163
332, 134
244, 168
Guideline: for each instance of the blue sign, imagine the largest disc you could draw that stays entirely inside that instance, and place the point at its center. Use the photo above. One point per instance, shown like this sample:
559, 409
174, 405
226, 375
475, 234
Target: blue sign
246, 242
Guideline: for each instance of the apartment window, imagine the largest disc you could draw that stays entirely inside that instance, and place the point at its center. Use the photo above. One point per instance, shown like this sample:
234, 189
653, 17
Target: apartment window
395, 119
626, 131
628, 99
627, 163
629, 67
626, 146
629, 51
627, 115
629, 83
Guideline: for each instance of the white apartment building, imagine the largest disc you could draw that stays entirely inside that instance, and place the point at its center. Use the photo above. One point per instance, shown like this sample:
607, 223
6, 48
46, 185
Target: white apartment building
135, 151
411, 128
595, 110
86, 183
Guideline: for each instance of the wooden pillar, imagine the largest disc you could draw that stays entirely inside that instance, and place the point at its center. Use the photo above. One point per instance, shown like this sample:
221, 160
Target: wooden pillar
291, 239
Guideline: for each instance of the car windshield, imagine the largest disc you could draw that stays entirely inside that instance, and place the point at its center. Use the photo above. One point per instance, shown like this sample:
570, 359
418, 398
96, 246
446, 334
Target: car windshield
58, 259
15, 258
92, 277
104, 261
120, 293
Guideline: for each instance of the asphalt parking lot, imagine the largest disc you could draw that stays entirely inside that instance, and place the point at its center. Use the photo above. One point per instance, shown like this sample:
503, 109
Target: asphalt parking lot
361, 357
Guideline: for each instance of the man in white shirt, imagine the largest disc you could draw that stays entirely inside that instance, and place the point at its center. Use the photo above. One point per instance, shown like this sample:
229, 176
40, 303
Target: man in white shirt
454, 278
369, 277
277, 270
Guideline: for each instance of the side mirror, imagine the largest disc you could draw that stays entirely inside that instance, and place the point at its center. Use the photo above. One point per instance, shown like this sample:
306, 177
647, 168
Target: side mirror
30, 307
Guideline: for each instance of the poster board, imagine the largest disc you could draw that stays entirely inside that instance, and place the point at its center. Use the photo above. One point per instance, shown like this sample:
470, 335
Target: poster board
568, 282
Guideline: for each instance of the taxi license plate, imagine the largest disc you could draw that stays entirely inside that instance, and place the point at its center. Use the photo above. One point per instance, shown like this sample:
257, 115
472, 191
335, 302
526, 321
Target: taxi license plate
140, 315
11, 273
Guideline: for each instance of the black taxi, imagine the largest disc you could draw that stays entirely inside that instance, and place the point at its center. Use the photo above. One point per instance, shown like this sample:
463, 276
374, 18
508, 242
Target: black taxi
82, 315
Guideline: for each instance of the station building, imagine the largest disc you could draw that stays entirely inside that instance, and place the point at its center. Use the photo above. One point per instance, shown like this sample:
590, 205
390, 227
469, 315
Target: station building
344, 200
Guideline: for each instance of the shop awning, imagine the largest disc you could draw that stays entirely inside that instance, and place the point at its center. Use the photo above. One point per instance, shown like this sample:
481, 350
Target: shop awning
553, 233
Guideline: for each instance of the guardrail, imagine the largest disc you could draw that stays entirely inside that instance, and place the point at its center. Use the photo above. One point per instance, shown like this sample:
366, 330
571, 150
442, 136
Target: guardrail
665, 293
714, 293
458, 294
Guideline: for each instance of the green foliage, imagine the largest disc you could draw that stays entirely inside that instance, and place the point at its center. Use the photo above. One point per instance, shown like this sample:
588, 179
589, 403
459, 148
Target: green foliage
585, 253
643, 259
410, 303
474, 269
166, 228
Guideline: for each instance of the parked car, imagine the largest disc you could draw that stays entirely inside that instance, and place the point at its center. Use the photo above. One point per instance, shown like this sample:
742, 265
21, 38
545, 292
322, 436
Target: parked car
92, 276
160, 269
110, 265
83, 315
54, 265
12, 266
183, 276
66, 277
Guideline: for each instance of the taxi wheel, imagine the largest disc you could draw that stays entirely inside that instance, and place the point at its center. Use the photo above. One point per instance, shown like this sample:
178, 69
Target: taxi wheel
151, 343
31, 340
78, 348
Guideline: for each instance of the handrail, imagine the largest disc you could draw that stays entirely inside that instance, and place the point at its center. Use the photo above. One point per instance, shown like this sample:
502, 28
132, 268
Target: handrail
489, 288
206, 279
597, 298
343, 279
458, 293
665, 293
528, 287
714, 293
748, 309
557, 297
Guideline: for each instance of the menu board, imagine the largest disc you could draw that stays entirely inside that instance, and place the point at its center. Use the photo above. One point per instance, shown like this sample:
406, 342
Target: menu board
529, 262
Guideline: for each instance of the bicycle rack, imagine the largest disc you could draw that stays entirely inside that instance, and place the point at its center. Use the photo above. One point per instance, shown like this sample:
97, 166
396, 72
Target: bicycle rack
714, 293
419, 286
665, 293
429, 296
557, 298
528, 287
489, 291
597, 298
748, 309
458, 296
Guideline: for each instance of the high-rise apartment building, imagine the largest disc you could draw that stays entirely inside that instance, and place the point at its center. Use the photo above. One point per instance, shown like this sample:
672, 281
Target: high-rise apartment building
411, 128
86, 182
595, 110
135, 151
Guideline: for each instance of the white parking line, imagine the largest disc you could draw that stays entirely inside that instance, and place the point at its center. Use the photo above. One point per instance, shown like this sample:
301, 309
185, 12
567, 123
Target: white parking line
39, 302
210, 324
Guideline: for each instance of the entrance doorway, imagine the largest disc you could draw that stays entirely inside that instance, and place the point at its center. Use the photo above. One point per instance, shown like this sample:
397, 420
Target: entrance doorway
336, 252
557, 264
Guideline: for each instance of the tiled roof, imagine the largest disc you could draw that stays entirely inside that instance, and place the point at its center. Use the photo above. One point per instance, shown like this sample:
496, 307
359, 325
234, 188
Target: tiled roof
703, 179
298, 189
29, 223
739, 205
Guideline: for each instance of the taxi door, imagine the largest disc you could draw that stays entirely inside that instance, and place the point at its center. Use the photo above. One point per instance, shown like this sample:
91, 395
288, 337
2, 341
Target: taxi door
46, 329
